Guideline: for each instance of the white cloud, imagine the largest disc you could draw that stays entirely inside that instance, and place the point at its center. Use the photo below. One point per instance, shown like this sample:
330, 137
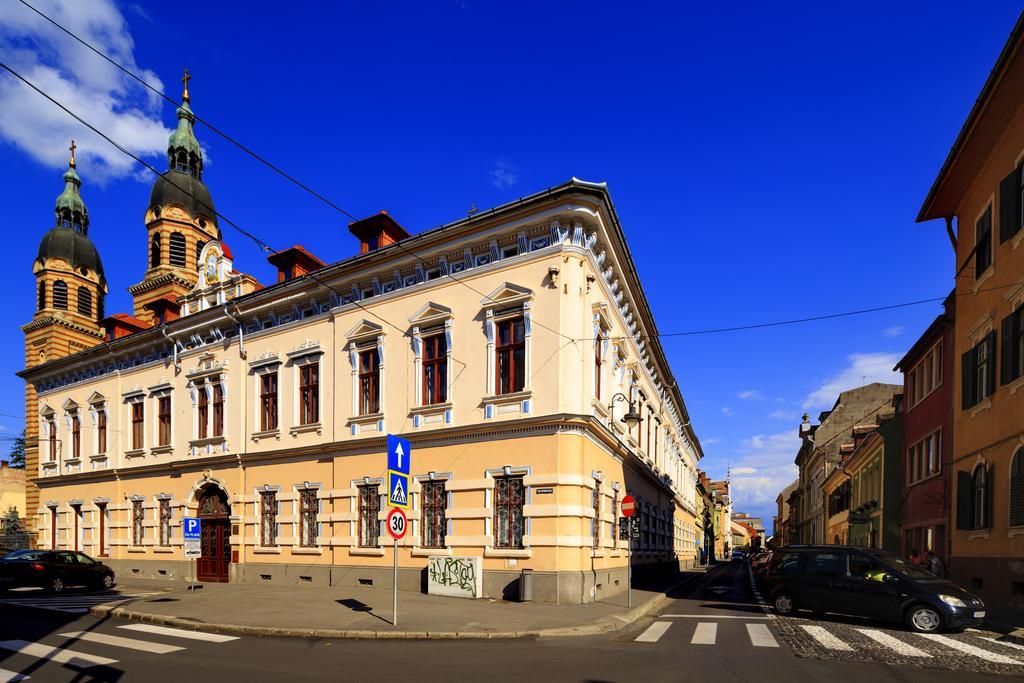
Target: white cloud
863, 368
83, 82
750, 395
763, 466
783, 415
736, 471
503, 174
893, 331
710, 442
727, 411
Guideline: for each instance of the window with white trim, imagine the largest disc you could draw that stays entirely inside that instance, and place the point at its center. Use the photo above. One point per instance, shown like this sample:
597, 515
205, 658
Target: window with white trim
369, 511
268, 518
309, 508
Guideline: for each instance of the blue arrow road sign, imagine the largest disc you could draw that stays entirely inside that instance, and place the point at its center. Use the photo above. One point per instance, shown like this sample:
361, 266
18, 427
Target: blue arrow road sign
192, 525
399, 454
398, 489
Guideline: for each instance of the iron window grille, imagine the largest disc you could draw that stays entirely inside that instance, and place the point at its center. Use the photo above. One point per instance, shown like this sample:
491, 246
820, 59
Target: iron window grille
435, 369
369, 510
510, 356
165, 521
596, 502
268, 519
509, 497
433, 503
138, 520
309, 393
309, 506
369, 382
268, 401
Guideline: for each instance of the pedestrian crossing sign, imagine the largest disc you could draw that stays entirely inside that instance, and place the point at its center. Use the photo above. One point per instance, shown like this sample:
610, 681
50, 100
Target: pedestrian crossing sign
398, 489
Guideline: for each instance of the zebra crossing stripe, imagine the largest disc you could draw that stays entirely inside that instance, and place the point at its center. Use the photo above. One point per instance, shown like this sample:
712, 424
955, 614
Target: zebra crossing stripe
179, 633
760, 636
893, 643
826, 639
705, 634
654, 632
12, 676
1002, 642
117, 641
56, 654
968, 649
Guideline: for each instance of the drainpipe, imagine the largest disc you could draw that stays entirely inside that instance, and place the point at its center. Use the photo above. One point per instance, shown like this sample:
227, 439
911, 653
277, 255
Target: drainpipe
949, 231
174, 347
241, 330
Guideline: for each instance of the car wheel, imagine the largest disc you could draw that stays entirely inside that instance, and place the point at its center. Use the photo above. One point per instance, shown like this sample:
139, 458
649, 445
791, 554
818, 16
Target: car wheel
783, 603
56, 584
924, 619
107, 582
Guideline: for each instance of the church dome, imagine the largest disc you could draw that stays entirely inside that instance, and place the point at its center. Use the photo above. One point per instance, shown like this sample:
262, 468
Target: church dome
74, 247
184, 190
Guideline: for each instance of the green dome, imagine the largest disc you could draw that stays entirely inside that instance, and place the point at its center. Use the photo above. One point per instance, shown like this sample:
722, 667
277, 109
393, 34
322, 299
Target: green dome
183, 151
72, 246
70, 208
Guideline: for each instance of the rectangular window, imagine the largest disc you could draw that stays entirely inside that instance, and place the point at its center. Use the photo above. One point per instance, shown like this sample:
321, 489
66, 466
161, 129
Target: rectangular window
51, 433
101, 514
926, 376
163, 407
369, 510
138, 421
101, 431
268, 401
983, 243
204, 412
165, 521
434, 501
309, 393
138, 519
268, 519
218, 409
598, 344
508, 512
76, 436
510, 356
435, 369
1011, 204
1012, 361
309, 506
979, 371
369, 382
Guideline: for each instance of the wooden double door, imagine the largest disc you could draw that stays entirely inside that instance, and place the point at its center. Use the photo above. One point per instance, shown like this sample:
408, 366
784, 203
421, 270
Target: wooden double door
214, 538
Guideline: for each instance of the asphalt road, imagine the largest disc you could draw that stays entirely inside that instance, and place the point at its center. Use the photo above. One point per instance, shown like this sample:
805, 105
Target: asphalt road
744, 644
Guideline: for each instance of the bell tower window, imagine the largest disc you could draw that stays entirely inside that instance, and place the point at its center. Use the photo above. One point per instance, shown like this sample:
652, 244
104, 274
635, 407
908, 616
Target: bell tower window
60, 295
42, 295
84, 301
177, 250
154, 251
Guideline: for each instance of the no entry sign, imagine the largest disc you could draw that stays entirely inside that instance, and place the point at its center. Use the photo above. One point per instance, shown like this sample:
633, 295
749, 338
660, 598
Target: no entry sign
397, 523
627, 506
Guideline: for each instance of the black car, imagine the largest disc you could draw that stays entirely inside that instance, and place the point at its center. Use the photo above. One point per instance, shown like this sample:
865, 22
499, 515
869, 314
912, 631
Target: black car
52, 570
871, 583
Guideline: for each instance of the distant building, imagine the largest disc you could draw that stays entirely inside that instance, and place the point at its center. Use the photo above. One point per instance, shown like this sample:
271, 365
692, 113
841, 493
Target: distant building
875, 470
781, 526
12, 489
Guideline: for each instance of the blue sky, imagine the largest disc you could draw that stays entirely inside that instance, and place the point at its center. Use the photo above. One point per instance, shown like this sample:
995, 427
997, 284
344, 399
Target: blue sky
766, 163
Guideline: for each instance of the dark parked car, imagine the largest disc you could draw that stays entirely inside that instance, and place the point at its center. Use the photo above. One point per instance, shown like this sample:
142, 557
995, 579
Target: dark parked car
52, 570
870, 583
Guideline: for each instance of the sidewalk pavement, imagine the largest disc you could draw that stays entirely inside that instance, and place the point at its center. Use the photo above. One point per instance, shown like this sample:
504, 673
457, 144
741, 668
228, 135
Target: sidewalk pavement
333, 612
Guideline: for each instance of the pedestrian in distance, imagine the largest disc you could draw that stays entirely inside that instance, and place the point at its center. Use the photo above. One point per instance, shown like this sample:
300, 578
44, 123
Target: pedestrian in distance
934, 564
915, 557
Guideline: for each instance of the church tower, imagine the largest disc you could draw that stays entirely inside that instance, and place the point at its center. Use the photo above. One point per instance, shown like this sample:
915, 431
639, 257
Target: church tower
180, 220
70, 289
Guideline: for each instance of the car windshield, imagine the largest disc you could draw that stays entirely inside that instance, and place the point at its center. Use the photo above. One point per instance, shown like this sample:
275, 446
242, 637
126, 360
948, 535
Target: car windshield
904, 567
24, 555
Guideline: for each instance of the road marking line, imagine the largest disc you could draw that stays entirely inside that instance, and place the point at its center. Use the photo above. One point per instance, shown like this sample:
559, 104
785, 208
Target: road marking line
893, 643
12, 676
57, 654
713, 616
826, 639
760, 636
654, 632
118, 641
970, 649
705, 634
179, 633
1001, 642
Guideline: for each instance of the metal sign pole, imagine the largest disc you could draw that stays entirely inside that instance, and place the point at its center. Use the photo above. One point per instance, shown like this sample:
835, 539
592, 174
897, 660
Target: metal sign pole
394, 589
629, 570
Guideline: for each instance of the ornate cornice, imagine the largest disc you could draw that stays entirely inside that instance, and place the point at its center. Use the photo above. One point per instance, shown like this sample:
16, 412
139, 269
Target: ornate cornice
39, 323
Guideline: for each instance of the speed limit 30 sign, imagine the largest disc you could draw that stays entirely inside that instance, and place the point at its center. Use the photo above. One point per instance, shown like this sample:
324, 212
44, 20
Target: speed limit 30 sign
397, 523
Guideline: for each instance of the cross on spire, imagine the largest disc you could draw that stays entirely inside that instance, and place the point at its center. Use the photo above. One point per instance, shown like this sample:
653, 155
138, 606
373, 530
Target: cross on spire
185, 79
72, 148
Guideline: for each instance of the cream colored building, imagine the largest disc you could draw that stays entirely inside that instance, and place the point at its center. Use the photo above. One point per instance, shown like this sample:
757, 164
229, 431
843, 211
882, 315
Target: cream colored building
12, 489
497, 344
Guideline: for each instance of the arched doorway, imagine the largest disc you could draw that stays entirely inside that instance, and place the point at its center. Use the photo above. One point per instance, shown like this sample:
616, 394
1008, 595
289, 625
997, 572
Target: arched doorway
215, 537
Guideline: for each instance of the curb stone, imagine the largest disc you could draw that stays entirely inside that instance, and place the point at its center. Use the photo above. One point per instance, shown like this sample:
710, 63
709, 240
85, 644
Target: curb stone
603, 625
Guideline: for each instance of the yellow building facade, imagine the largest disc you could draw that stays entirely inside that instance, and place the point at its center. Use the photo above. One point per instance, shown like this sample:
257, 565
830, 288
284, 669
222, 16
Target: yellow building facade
506, 347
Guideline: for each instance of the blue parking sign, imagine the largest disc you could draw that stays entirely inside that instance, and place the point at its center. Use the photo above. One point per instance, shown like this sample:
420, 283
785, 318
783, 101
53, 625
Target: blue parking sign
399, 454
192, 527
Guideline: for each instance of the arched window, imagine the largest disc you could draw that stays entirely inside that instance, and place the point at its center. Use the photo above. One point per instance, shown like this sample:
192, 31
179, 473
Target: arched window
42, 295
1017, 488
182, 164
154, 251
84, 301
979, 485
177, 250
60, 295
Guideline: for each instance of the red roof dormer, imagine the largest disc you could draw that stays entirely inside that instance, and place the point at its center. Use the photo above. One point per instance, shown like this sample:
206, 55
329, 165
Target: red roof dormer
377, 231
294, 262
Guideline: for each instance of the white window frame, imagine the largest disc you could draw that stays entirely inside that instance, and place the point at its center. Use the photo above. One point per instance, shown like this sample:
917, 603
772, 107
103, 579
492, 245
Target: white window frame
163, 390
297, 546
269, 363
306, 355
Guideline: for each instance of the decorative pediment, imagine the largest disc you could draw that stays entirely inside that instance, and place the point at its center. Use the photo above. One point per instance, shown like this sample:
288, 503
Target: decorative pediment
507, 294
47, 411
207, 365
430, 312
96, 398
306, 348
264, 359
161, 387
364, 330
69, 405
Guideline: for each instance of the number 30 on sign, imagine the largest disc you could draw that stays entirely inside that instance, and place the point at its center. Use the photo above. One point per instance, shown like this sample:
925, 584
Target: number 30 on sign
397, 523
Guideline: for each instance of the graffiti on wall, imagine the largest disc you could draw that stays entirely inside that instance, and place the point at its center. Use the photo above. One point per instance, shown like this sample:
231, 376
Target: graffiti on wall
457, 576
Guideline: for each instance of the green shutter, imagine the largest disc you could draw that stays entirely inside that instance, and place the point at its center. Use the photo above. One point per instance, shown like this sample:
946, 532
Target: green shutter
963, 500
992, 356
1009, 205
